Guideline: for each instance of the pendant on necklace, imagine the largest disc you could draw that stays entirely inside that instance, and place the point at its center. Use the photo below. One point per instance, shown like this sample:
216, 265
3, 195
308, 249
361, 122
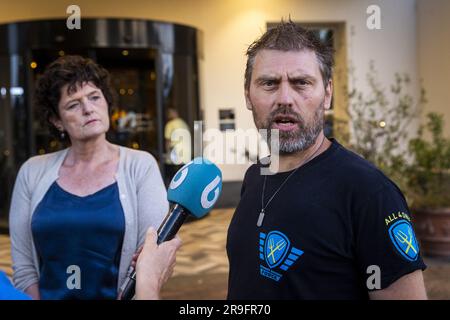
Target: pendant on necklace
260, 218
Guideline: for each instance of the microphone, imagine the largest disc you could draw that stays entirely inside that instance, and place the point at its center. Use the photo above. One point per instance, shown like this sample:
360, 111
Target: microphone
193, 190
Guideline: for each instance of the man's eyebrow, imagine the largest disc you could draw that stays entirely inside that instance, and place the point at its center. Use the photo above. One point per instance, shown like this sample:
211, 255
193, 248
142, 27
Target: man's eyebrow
302, 77
263, 78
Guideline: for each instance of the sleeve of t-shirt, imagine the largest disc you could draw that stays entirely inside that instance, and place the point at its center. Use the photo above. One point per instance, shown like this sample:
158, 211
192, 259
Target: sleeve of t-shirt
385, 241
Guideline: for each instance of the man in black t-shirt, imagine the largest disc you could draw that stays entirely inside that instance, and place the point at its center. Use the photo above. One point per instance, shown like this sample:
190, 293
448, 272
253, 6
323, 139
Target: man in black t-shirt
327, 224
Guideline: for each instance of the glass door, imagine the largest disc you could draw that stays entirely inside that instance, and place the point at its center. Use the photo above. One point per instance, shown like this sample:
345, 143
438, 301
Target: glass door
134, 118
14, 131
5, 141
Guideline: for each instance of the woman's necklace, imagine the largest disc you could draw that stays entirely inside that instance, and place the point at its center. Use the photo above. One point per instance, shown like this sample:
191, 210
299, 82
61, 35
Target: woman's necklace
263, 207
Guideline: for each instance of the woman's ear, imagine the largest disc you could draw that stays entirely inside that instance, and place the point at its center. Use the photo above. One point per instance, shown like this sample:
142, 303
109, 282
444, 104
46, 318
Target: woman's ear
57, 123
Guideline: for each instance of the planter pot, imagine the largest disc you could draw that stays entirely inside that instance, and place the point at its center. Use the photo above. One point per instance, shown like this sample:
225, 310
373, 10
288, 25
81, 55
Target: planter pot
432, 228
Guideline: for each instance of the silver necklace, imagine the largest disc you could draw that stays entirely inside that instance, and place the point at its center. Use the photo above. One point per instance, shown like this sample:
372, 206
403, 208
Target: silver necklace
263, 207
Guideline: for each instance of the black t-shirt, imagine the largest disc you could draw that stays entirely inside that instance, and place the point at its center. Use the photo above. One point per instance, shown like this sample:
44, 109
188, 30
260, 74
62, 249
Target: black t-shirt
334, 222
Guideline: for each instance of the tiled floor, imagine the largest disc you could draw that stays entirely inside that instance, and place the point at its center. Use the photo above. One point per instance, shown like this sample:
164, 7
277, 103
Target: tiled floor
202, 266
5, 254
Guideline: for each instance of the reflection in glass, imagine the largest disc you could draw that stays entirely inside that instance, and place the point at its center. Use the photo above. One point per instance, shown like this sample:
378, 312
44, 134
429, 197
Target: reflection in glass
134, 117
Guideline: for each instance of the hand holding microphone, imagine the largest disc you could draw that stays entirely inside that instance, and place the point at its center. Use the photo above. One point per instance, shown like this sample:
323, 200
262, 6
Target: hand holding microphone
155, 265
193, 190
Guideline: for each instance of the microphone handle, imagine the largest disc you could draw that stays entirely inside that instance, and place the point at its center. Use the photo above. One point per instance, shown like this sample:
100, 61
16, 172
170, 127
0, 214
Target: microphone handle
166, 232
172, 223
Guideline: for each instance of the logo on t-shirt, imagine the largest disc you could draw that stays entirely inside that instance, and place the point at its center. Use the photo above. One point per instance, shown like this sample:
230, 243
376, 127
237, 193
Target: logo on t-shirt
276, 251
404, 240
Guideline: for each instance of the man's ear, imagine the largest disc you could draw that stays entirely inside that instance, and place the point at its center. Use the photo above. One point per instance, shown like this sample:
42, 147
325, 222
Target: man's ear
328, 95
247, 100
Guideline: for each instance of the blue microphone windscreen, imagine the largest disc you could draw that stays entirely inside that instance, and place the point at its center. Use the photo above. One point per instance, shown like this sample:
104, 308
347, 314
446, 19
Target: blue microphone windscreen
196, 186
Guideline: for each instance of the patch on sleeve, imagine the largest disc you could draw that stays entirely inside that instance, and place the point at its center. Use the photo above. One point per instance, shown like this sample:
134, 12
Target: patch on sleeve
404, 240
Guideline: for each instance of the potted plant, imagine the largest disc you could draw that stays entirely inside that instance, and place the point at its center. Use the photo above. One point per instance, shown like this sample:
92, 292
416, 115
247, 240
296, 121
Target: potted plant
420, 165
428, 186
378, 125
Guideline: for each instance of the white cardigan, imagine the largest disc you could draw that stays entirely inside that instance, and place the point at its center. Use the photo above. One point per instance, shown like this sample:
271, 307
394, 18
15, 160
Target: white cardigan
142, 195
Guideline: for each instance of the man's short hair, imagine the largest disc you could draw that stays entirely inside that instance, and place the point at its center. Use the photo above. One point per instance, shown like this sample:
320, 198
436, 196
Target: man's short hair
289, 36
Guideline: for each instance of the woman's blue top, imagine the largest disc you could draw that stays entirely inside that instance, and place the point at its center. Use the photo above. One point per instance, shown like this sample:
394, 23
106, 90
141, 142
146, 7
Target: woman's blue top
79, 243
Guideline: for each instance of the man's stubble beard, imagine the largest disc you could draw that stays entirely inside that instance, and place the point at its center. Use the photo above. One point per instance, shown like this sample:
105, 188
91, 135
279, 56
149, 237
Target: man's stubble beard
293, 141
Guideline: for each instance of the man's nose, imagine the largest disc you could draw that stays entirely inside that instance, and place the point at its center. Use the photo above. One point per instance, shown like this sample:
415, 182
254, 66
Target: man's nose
285, 95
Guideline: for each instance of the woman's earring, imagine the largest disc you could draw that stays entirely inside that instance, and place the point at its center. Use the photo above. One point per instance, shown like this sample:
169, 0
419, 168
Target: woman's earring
63, 135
